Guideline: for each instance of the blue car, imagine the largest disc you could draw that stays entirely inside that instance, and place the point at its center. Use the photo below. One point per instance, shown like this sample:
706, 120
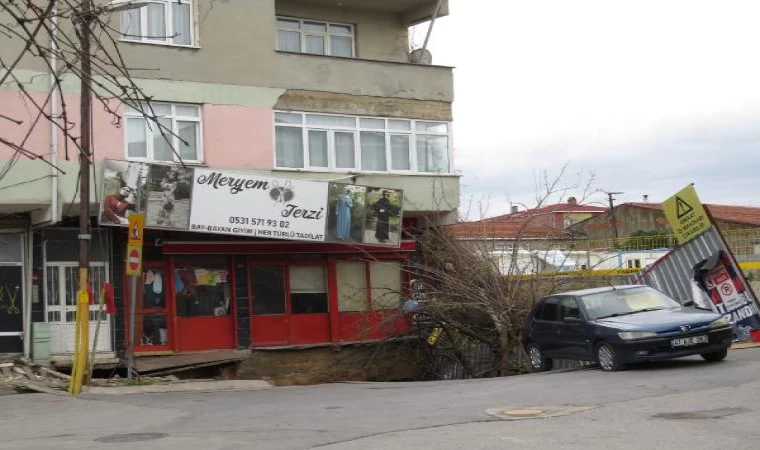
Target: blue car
620, 325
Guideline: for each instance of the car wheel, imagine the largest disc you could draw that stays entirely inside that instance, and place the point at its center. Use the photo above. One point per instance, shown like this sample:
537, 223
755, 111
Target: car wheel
608, 358
715, 356
537, 360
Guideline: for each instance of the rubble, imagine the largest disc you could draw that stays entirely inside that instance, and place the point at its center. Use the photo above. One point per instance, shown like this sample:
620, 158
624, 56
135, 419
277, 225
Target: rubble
24, 376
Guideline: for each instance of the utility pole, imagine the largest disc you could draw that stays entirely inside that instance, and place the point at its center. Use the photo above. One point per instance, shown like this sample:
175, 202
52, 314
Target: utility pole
83, 298
613, 224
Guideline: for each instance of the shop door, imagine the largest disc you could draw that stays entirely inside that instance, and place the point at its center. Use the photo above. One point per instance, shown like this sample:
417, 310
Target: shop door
61, 286
290, 305
152, 318
11, 293
204, 305
11, 308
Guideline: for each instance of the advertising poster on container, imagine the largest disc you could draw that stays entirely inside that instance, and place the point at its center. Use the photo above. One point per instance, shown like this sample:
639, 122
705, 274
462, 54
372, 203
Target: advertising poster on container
208, 200
728, 293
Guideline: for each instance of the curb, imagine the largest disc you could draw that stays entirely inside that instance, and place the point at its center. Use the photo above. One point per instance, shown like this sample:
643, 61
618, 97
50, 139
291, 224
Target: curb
190, 386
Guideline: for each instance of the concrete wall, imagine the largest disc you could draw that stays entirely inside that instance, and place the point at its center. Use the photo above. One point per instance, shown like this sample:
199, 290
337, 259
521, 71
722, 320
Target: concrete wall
236, 46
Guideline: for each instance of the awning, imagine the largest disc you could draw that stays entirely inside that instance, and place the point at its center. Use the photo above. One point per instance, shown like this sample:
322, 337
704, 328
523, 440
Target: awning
249, 248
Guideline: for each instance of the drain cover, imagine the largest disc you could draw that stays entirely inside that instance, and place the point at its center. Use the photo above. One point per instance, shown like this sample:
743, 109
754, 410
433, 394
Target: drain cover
523, 412
130, 437
535, 412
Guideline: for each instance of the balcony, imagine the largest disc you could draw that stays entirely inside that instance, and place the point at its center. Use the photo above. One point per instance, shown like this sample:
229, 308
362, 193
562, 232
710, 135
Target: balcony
355, 76
411, 11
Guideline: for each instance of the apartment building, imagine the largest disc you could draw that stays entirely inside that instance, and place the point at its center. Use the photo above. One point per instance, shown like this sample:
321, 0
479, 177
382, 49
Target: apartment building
315, 97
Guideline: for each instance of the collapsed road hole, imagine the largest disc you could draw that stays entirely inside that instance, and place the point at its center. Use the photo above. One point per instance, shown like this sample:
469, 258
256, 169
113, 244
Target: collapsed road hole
130, 437
708, 414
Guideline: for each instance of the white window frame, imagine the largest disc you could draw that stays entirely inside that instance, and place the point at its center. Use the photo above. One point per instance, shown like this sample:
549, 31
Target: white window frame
326, 35
169, 24
356, 130
151, 127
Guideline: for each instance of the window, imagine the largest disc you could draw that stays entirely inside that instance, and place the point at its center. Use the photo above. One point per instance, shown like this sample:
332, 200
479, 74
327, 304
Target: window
550, 310
268, 290
385, 280
161, 22
308, 289
151, 141
349, 143
315, 37
569, 308
202, 290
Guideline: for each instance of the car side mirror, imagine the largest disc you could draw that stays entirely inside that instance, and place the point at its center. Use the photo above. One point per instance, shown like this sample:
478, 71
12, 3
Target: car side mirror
572, 320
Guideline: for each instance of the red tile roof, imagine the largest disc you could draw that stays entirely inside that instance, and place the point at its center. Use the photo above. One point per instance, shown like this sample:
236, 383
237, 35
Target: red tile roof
549, 209
742, 215
518, 228
528, 224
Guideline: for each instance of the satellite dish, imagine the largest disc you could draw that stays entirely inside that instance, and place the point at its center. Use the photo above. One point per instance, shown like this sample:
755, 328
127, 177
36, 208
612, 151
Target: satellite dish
421, 56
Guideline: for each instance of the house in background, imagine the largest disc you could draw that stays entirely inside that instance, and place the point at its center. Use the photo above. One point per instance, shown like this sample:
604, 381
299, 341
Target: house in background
303, 90
643, 226
530, 241
557, 215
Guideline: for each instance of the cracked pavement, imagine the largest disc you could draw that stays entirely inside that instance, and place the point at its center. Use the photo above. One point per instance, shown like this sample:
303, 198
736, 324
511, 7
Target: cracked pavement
679, 404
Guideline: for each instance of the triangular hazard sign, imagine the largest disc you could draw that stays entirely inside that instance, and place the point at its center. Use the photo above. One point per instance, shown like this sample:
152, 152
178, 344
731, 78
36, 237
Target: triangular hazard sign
136, 232
682, 208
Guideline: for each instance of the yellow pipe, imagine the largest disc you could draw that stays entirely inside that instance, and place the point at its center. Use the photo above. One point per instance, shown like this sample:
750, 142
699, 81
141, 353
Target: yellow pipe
83, 328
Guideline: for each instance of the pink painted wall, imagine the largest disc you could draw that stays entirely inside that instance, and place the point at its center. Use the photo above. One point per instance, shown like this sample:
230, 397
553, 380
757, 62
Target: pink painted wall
238, 137
17, 108
233, 136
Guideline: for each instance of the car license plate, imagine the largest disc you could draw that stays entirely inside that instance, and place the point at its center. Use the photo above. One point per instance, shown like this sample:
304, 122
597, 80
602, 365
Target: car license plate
686, 342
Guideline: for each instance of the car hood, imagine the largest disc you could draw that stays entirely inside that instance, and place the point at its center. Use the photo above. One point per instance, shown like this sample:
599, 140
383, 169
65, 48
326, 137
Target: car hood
661, 320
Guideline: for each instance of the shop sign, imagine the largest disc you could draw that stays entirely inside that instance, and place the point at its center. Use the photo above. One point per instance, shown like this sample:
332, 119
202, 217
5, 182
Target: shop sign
251, 205
208, 200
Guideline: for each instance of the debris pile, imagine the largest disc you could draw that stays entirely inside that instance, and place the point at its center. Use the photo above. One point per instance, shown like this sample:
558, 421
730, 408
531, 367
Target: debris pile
23, 375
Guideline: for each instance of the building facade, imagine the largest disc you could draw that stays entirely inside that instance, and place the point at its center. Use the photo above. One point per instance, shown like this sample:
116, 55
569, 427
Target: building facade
295, 91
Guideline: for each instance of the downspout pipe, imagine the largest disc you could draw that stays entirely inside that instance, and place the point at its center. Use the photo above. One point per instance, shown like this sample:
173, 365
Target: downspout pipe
53, 113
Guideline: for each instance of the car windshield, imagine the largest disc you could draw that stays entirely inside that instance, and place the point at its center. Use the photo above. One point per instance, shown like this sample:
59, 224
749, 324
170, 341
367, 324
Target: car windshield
620, 302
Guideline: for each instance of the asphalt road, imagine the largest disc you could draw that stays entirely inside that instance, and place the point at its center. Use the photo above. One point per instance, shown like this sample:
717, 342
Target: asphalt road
684, 404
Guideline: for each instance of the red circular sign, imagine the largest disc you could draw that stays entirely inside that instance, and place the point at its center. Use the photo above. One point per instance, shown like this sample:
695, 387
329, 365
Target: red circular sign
134, 259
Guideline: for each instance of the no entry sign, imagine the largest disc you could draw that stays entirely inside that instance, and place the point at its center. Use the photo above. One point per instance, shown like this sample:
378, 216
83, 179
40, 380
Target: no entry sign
134, 260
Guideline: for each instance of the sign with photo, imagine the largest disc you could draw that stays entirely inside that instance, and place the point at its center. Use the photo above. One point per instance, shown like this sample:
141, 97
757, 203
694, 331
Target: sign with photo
210, 200
252, 205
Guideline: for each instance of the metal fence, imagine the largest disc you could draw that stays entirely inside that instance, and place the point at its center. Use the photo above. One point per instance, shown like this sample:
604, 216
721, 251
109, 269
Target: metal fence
742, 242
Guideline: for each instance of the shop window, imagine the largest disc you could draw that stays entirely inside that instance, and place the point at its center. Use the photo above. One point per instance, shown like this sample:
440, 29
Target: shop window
352, 286
268, 290
202, 290
308, 289
385, 278
384, 281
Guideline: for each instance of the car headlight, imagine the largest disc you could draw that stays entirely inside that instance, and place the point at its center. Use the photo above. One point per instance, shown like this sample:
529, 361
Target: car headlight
631, 335
720, 323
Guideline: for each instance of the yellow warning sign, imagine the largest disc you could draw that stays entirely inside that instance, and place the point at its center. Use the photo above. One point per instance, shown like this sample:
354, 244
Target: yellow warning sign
686, 215
136, 222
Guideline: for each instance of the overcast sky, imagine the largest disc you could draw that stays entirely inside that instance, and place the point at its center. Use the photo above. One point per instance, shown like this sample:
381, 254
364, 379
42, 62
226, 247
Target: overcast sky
647, 95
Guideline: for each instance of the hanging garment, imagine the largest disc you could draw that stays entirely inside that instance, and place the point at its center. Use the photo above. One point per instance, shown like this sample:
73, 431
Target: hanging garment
148, 277
158, 283
179, 286
343, 213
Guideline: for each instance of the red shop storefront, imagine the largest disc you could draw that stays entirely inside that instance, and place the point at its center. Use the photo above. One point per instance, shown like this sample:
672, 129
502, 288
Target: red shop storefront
224, 295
